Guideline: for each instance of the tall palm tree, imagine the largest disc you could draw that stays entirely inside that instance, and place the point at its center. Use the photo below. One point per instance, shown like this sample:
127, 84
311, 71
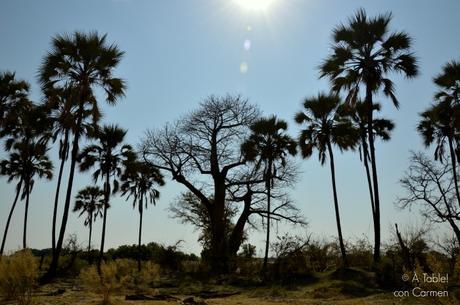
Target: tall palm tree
324, 127
13, 95
81, 62
27, 133
61, 107
364, 54
107, 156
26, 161
90, 201
268, 146
381, 127
139, 181
440, 123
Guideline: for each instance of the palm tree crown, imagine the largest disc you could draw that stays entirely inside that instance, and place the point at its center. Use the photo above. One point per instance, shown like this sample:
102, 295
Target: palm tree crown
90, 201
269, 143
364, 52
324, 126
448, 83
139, 182
106, 154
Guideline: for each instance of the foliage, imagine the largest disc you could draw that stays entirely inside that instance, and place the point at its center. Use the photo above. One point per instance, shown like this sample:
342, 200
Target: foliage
18, 275
247, 251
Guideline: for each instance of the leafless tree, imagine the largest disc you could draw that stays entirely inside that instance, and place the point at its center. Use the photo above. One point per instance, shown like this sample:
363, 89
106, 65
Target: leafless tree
430, 187
202, 151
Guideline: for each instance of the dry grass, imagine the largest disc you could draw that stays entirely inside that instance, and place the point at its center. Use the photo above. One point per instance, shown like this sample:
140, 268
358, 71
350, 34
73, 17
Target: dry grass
18, 275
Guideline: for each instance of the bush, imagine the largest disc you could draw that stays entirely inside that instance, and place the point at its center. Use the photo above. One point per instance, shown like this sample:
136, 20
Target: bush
118, 275
291, 262
18, 276
110, 280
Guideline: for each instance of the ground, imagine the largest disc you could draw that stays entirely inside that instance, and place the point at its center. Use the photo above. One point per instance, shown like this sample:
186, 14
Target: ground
355, 288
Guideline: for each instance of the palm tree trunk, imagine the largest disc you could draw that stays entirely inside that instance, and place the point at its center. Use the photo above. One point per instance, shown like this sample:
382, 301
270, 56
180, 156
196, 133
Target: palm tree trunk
58, 188
336, 206
454, 168
104, 221
141, 208
26, 212
374, 175
18, 191
90, 232
267, 242
57, 252
368, 174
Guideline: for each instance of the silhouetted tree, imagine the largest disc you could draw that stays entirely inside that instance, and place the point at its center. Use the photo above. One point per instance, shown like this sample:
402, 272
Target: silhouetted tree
381, 128
139, 181
81, 63
364, 54
107, 156
430, 187
61, 106
90, 201
441, 122
205, 144
325, 127
26, 141
268, 147
13, 97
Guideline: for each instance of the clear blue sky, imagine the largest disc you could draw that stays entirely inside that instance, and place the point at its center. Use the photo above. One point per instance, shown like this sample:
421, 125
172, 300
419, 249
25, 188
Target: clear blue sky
180, 51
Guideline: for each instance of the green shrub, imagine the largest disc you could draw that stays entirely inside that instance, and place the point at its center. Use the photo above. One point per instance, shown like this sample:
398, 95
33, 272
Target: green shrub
18, 276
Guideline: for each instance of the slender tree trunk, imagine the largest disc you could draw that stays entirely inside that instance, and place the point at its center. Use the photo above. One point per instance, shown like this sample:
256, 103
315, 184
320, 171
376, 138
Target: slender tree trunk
139, 254
58, 188
54, 262
376, 215
18, 191
26, 212
368, 174
336, 206
90, 232
267, 242
454, 168
104, 221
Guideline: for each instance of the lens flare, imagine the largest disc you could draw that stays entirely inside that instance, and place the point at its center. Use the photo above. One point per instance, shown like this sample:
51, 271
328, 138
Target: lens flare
244, 67
247, 45
255, 5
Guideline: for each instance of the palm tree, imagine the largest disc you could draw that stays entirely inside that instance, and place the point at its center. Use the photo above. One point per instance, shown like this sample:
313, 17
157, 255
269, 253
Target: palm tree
268, 145
364, 54
325, 127
441, 123
26, 160
61, 107
139, 181
381, 127
108, 157
448, 83
13, 95
80, 62
90, 201
26, 129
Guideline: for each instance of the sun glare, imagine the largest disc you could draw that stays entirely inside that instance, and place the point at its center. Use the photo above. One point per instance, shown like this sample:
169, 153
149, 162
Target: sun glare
255, 5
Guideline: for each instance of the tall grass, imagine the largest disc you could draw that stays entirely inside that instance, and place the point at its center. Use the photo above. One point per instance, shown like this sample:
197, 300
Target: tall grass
18, 276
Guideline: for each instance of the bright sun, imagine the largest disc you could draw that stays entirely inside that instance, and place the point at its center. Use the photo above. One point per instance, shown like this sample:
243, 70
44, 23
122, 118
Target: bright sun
255, 5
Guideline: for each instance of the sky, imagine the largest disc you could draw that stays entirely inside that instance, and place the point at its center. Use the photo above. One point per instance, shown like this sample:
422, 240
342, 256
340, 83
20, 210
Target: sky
178, 52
